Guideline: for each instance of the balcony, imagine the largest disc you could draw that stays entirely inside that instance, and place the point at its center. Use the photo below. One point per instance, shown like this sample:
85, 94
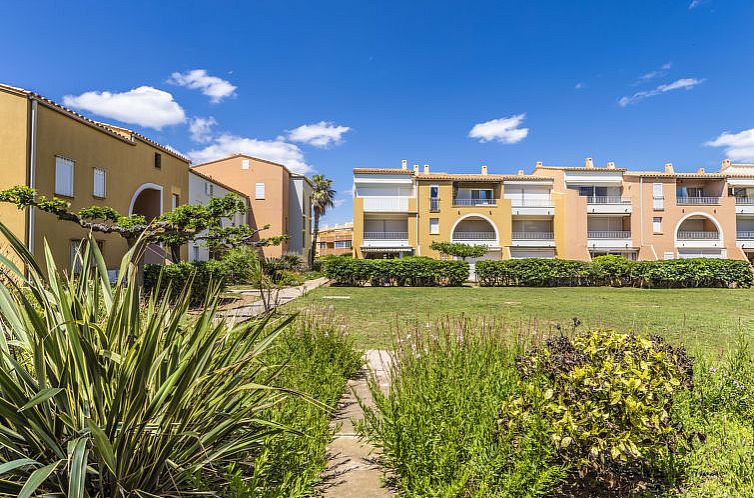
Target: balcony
386, 240
474, 236
608, 204
705, 235
535, 207
744, 205
434, 204
473, 202
609, 234
533, 239
385, 235
385, 204
695, 201
744, 235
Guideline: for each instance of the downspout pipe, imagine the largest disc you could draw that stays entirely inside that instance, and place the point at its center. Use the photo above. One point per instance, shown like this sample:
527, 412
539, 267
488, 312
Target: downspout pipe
32, 170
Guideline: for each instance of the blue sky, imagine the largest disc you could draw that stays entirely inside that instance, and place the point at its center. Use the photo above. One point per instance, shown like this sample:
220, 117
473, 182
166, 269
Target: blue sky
328, 86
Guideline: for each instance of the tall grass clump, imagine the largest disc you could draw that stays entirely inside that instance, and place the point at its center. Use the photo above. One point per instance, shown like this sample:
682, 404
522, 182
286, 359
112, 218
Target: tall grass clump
103, 394
437, 425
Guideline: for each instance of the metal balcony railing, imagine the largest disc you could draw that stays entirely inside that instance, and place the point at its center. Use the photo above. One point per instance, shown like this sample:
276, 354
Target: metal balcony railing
607, 199
745, 235
545, 203
609, 234
745, 201
532, 236
434, 204
698, 235
385, 235
474, 202
474, 235
697, 200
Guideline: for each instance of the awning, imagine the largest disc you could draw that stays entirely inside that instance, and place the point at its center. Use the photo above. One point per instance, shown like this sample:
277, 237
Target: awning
386, 249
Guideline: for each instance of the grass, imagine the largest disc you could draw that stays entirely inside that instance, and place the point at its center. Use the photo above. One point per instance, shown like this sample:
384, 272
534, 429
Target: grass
706, 318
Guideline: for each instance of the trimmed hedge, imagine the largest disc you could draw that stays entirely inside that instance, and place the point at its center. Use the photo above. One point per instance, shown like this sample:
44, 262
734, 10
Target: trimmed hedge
615, 271
412, 271
177, 275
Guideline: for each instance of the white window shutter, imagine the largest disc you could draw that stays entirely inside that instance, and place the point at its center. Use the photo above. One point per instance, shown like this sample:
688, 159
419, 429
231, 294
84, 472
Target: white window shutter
63, 176
260, 191
245, 164
99, 182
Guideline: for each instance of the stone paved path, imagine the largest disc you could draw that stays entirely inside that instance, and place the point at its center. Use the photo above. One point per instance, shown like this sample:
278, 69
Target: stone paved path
352, 471
276, 298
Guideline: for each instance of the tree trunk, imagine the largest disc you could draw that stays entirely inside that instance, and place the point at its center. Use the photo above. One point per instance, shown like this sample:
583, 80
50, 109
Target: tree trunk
175, 254
315, 235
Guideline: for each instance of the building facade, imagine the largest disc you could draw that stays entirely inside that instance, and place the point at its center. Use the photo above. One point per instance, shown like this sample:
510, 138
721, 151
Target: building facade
278, 198
202, 189
64, 154
335, 240
569, 212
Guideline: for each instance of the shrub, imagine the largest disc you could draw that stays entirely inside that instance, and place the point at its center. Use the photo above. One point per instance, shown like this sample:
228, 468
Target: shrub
411, 271
239, 264
117, 397
286, 278
607, 399
173, 278
616, 271
459, 249
436, 426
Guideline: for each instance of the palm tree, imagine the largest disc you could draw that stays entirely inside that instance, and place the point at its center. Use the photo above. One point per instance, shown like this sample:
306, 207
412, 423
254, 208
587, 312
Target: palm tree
322, 200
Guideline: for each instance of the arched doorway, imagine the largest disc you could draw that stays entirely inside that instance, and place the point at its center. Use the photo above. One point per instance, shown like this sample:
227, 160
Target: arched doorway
147, 201
699, 235
477, 229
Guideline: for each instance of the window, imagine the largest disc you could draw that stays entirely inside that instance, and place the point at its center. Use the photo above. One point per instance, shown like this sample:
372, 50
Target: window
657, 197
434, 191
76, 255
259, 191
434, 226
481, 194
245, 164
209, 188
99, 183
657, 225
689, 192
195, 249
63, 176
342, 244
175, 201
323, 245
157, 160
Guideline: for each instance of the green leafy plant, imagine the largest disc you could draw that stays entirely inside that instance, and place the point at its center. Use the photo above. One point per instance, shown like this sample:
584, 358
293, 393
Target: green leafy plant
607, 399
411, 271
102, 394
459, 249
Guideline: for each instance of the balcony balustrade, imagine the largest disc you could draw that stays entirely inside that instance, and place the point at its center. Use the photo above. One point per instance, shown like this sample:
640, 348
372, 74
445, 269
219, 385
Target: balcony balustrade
609, 234
706, 235
745, 201
385, 235
474, 202
474, 235
545, 203
385, 204
607, 199
434, 204
689, 201
745, 235
532, 236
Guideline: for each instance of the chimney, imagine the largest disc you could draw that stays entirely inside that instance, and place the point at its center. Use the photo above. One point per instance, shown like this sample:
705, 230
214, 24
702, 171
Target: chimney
669, 168
700, 171
539, 164
426, 168
484, 169
404, 164
416, 168
520, 172
589, 163
725, 165
610, 165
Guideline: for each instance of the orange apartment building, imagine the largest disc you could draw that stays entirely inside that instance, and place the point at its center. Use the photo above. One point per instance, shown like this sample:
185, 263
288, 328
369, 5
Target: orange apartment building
570, 212
277, 197
335, 240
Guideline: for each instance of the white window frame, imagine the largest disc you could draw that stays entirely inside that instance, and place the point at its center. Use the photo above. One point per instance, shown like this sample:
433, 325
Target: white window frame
434, 226
66, 190
658, 199
95, 193
657, 224
175, 200
245, 164
209, 188
259, 191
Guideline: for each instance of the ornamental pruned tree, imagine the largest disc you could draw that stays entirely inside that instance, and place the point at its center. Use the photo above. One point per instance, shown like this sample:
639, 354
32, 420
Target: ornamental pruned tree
459, 250
188, 222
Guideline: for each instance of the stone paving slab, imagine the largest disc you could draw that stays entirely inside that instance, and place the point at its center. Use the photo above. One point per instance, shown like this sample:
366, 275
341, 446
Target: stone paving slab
277, 297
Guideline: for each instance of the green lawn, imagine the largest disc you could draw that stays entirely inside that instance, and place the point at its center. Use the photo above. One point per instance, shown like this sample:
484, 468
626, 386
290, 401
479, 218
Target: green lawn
707, 318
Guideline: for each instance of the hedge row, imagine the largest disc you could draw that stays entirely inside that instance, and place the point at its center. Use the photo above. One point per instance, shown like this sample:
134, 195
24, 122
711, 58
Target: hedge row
177, 275
413, 271
615, 271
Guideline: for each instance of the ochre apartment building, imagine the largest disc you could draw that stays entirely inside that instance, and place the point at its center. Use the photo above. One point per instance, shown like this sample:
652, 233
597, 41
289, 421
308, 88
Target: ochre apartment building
335, 240
569, 212
64, 154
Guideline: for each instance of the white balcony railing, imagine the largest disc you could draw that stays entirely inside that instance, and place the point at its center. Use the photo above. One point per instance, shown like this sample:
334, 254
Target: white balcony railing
434, 204
532, 236
609, 234
697, 200
474, 236
385, 204
385, 235
474, 202
607, 199
745, 201
744, 235
707, 235
545, 203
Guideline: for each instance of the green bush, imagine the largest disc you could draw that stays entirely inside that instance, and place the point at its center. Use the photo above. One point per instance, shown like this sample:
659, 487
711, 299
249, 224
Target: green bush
436, 426
616, 271
202, 275
410, 271
239, 264
607, 399
287, 278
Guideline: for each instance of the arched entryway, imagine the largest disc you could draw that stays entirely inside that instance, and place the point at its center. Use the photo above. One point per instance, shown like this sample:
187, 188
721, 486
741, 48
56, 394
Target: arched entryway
147, 201
699, 235
475, 229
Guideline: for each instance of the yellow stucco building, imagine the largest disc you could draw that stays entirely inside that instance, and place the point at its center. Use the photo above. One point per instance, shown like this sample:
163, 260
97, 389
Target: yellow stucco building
64, 154
569, 212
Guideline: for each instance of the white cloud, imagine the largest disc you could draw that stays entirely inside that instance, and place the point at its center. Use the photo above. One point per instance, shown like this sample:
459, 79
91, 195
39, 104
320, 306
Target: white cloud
504, 130
197, 79
321, 134
338, 202
681, 84
580, 86
144, 106
277, 151
738, 146
201, 129
661, 71
695, 3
